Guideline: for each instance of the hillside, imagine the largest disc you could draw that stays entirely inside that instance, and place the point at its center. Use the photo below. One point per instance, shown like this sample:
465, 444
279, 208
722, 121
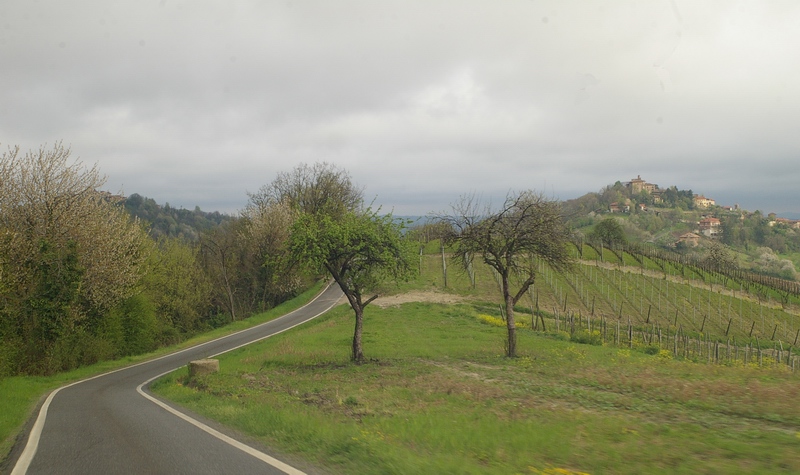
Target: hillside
173, 222
691, 224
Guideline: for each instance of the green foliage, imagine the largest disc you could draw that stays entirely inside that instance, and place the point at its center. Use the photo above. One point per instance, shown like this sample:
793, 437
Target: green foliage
360, 249
138, 325
609, 232
43, 316
651, 350
69, 255
587, 337
176, 286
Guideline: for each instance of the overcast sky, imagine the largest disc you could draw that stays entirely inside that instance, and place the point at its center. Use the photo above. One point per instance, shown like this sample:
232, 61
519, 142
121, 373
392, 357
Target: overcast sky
196, 103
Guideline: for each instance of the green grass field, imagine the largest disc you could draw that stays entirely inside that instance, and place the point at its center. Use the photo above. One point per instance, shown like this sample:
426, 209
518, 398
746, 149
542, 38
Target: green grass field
437, 396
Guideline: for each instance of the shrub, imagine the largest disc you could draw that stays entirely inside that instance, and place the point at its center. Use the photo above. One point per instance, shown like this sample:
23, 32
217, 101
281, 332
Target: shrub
651, 350
587, 337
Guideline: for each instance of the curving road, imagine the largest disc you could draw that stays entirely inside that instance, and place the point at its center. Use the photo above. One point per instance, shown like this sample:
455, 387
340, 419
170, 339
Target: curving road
109, 424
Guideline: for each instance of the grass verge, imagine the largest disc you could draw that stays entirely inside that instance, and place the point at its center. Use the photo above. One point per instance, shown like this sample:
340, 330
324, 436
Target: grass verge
439, 397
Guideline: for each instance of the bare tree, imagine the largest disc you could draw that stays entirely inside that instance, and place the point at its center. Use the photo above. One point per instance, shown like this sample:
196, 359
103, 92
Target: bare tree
526, 229
321, 188
221, 254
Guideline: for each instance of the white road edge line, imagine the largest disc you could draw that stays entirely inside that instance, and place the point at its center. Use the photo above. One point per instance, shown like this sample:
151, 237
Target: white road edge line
219, 435
25, 459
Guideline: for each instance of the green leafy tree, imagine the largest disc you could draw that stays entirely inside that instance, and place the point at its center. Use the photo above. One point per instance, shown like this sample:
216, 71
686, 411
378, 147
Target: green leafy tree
732, 231
527, 228
321, 189
609, 232
360, 250
177, 287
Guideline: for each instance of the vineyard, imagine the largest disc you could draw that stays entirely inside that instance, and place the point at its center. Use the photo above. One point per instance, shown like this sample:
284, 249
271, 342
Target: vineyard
649, 299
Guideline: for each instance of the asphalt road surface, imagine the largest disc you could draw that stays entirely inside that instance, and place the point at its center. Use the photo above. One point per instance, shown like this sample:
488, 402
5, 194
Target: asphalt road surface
111, 425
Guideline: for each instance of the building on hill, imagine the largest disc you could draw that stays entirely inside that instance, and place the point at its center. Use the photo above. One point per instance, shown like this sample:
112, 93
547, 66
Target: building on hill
656, 194
791, 223
701, 201
619, 208
710, 227
637, 185
688, 239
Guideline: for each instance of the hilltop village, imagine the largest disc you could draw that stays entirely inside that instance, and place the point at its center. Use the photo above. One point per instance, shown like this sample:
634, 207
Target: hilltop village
641, 196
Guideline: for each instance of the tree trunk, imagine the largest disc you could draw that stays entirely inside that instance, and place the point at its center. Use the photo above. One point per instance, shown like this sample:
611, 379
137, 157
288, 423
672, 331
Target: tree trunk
511, 350
512, 339
358, 351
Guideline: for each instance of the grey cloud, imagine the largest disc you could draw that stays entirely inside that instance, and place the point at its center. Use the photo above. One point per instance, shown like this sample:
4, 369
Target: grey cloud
196, 103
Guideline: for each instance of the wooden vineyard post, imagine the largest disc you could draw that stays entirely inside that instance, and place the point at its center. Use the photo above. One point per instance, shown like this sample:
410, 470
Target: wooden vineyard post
444, 266
758, 344
604, 327
728, 353
630, 334
675, 345
558, 320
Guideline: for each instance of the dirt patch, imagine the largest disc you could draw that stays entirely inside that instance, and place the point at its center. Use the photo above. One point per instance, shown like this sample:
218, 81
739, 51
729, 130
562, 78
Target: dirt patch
418, 296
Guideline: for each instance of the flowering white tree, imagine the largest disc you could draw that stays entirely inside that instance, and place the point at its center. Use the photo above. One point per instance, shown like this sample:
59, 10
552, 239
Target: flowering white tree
70, 253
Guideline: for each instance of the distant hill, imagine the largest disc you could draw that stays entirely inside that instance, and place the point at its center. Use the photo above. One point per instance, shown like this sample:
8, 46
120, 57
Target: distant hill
174, 222
692, 225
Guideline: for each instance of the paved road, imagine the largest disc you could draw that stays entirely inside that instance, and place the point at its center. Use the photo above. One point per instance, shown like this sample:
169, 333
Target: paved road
110, 425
